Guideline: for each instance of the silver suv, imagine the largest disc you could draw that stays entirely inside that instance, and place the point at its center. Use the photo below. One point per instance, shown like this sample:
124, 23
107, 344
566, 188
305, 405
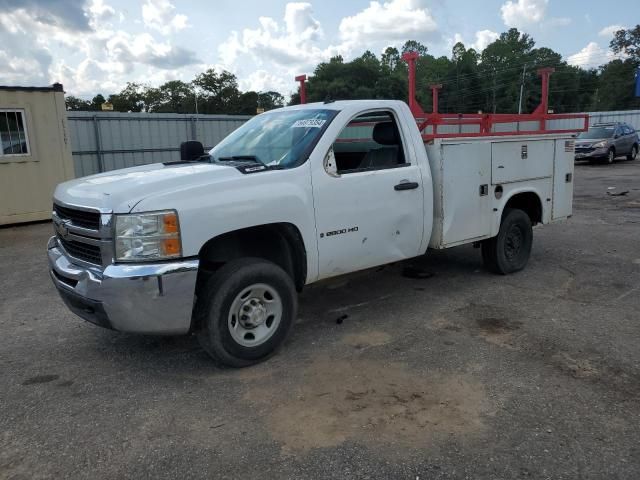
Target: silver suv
606, 141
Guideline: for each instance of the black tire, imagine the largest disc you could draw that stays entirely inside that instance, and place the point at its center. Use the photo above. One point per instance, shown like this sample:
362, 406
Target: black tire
611, 156
509, 251
633, 153
215, 300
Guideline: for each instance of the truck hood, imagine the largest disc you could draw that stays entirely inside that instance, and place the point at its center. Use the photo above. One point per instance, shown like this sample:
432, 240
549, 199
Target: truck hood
120, 190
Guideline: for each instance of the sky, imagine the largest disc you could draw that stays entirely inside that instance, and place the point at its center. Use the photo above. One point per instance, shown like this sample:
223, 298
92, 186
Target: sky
97, 46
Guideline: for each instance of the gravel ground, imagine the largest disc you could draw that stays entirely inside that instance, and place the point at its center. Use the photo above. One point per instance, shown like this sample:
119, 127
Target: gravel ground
461, 375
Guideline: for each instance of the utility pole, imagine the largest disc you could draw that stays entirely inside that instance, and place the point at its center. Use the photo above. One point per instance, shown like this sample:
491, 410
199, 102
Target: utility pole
195, 92
524, 69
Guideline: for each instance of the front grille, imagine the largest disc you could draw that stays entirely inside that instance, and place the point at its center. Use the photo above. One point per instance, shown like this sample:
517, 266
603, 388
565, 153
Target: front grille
82, 251
79, 218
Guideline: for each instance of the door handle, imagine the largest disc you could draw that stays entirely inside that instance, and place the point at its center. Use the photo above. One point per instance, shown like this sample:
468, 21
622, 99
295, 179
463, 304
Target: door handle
406, 186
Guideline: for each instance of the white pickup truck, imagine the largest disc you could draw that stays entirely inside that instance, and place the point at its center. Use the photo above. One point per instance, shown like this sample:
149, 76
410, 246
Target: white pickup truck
219, 243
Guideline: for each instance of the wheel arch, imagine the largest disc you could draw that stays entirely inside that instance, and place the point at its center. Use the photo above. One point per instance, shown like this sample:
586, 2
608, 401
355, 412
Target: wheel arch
280, 243
528, 201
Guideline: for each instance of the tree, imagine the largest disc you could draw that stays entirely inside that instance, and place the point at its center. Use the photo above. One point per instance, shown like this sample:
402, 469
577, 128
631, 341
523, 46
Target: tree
76, 104
616, 86
390, 60
218, 92
96, 102
501, 65
414, 46
270, 100
130, 99
174, 96
628, 43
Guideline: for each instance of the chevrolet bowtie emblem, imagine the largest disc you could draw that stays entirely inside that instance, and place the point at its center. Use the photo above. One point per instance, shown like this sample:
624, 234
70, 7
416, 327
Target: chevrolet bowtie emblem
63, 228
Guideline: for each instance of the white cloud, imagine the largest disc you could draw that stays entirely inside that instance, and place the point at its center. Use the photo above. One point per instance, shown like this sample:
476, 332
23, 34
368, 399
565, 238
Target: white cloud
89, 57
523, 13
159, 15
388, 21
100, 11
264, 81
143, 48
591, 56
293, 45
610, 30
484, 38
299, 22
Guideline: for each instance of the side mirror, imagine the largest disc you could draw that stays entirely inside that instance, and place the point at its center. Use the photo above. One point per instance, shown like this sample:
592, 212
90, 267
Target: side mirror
330, 164
191, 150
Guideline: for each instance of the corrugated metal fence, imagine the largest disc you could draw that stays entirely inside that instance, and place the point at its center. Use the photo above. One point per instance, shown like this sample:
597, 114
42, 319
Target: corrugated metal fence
103, 141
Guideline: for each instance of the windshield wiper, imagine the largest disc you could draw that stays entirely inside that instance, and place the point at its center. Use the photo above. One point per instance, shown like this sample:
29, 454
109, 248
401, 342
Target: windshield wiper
203, 158
250, 158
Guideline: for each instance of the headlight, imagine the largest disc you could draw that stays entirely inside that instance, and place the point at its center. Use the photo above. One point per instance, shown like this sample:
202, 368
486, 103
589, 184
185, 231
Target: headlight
147, 236
599, 144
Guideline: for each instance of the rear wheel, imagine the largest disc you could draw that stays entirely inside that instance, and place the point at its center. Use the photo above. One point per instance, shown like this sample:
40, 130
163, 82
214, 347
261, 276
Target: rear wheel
633, 154
509, 251
245, 311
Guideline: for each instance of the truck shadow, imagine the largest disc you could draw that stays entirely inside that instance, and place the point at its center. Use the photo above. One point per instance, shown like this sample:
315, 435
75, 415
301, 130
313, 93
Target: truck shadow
320, 305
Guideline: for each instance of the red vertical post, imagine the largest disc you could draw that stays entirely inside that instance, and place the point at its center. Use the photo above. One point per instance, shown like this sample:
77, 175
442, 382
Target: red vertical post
303, 90
543, 108
410, 58
435, 90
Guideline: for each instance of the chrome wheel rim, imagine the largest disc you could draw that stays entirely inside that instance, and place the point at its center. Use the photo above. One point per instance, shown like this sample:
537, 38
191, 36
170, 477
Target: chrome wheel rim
611, 156
634, 153
255, 315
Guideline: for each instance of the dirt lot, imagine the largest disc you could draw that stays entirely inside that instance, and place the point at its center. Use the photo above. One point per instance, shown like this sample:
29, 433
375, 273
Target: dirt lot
461, 375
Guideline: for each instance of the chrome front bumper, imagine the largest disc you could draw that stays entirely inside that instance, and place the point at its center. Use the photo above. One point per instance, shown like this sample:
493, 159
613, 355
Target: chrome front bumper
155, 298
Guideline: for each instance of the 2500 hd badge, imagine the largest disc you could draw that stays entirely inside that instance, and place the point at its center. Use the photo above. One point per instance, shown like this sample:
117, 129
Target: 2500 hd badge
339, 232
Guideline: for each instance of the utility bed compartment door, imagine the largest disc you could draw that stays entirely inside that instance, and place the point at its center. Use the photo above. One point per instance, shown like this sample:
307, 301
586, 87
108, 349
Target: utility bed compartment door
466, 204
563, 179
514, 161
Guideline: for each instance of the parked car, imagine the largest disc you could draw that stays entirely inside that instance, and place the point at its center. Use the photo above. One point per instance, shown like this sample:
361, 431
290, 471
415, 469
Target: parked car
606, 141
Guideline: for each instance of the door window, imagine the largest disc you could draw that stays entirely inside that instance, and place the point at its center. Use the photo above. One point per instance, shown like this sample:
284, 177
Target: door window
370, 141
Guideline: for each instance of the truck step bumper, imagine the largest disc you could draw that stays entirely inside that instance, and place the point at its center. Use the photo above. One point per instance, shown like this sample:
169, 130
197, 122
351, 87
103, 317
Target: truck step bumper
155, 298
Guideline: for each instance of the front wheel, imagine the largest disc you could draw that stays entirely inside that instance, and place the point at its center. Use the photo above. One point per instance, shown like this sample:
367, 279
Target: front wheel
509, 251
245, 311
611, 156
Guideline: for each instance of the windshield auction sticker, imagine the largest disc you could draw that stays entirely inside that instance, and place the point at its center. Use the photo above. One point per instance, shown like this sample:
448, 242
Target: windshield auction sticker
310, 123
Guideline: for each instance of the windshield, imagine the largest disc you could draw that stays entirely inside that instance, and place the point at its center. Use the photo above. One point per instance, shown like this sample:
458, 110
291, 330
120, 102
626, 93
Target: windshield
598, 132
281, 139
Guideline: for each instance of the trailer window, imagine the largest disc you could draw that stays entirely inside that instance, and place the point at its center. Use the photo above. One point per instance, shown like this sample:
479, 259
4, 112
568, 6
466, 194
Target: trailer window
369, 142
13, 133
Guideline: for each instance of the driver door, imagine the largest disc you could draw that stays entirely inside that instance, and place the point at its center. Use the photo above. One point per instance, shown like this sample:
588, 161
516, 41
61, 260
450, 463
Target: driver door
368, 197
